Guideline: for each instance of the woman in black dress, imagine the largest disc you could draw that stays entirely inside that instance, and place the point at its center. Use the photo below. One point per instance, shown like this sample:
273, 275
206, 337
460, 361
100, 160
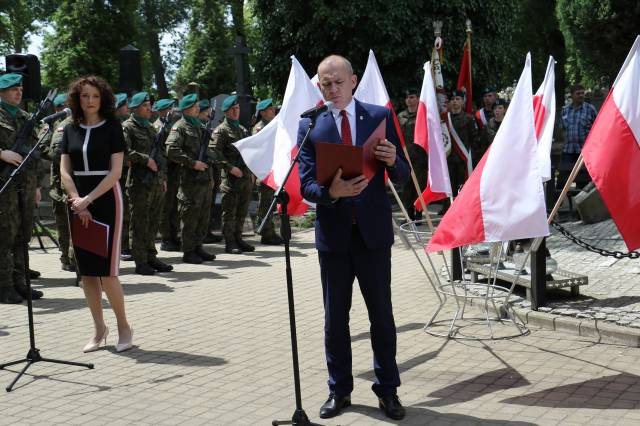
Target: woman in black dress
90, 166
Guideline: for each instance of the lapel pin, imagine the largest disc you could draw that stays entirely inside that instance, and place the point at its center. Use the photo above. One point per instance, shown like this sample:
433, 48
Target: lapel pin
361, 118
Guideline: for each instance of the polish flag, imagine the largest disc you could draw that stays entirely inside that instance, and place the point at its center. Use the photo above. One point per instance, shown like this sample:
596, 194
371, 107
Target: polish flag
464, 76
612, 150
428, 134
503, 199
544, 112
268, 153
372, 90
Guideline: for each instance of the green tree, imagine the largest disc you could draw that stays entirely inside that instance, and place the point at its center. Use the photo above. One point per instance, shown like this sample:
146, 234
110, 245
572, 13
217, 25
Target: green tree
206, 59
599, 34
19, 19
86, 38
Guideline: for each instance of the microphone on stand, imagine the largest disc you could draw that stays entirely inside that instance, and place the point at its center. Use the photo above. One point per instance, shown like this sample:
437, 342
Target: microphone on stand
317, 110
58, 115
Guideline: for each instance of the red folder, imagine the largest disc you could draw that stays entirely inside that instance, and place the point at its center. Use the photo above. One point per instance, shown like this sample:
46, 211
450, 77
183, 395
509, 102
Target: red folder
94, 238
354, 160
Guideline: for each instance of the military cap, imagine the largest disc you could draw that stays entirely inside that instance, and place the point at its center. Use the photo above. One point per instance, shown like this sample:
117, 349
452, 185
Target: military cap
500, 101
204, 104
137, 99
10, 80
162, 104
411, 91
488, 89
59, 99
187, 101
121, 98
264, 104
458, 92
229, 102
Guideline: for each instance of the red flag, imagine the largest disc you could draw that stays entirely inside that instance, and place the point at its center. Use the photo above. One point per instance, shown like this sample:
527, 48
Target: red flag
464, 77
612, 150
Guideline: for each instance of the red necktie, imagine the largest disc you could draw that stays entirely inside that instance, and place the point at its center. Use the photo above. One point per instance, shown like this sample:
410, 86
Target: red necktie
345, 129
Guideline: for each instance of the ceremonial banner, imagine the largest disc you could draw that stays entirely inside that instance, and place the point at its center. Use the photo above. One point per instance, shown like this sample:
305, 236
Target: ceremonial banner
612, 150
428, 134
268, 153
464, 76
503, 199
544, 111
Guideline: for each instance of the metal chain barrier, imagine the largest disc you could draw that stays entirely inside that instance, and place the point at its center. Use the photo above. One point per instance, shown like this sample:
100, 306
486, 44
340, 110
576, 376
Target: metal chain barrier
602, 252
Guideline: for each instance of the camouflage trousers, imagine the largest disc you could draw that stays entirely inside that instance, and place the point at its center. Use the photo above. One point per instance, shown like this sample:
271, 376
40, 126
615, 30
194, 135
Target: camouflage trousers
61, 214
145, 205
194, 206
9, 243
125, 245
19, 260
169, 218
235, 206
265, 193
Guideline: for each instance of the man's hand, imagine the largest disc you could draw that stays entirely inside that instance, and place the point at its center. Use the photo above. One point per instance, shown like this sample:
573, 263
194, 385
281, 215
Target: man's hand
347, 188
236, 172
10, 157
200, 166
151, 163
386, 152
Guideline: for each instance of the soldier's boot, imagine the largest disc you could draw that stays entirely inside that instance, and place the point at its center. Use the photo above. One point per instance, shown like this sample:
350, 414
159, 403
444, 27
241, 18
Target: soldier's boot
9, 295
271, 240
159, 265
191, 257
212, 238
232, 247
34, 275
22, 289
143, 268
126, 255
169, 245
67, 264
244, 246
205, 255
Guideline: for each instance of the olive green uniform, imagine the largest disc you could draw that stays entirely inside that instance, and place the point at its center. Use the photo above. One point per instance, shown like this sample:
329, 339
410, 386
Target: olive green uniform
418, 158
236, 192
194, 193
465, 127
125, 245
145, 188
169, 218
265, 194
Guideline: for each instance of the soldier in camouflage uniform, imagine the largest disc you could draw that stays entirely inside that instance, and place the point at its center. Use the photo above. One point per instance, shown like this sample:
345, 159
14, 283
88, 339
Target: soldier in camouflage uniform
417, 155
56, 192
266, 112
169, 219
146, 184
12, 118
465, 127
185, 146
122, 114
237, 180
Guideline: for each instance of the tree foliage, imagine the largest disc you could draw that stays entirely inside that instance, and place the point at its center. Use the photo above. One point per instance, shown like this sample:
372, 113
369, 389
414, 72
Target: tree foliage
19, 19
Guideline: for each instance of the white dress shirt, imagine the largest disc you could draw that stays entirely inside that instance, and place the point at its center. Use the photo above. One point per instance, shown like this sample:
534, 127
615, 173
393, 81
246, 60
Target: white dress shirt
351, 114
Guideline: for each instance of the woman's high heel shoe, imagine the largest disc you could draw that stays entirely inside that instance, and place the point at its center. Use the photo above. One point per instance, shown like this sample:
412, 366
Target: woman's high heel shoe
94, 343
125, 344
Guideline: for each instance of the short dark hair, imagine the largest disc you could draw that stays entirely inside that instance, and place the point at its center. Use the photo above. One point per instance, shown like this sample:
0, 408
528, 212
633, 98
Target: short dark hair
107, 100
574, 88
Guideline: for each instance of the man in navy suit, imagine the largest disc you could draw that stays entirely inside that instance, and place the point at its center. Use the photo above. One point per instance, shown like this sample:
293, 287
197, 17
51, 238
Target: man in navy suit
354, 235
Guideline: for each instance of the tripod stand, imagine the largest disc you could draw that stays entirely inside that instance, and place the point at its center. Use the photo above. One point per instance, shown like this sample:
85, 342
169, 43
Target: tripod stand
299, 417
33, 356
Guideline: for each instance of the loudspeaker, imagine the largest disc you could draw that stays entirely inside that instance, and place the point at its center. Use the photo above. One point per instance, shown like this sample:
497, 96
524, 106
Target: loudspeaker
590, 206
130, 70
29, 66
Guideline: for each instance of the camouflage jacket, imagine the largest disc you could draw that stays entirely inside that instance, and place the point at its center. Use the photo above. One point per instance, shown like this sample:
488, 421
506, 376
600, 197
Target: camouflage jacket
407, 121
9, 128
259, 126
222, 142
183, 147
140, 141
56, 191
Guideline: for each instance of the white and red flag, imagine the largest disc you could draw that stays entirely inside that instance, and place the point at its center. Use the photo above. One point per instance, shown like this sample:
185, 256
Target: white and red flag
612, 150
544, 112
372, 90
268, 153
464, 76
428, 134
503, 199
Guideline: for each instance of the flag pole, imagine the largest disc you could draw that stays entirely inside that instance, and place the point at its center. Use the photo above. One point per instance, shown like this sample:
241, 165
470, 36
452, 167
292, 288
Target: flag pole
469, 31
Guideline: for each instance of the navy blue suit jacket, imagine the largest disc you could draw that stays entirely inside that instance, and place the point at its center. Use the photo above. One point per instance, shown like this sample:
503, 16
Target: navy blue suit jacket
372, 207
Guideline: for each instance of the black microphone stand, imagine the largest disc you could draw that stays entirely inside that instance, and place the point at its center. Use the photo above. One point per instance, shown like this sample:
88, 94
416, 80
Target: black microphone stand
33, 355
299, 417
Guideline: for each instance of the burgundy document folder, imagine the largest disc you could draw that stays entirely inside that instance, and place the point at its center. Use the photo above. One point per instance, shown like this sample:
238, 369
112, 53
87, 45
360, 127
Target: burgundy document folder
354, 160
94, 238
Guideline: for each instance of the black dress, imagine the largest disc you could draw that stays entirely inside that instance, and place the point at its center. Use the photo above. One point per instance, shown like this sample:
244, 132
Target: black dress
90, 149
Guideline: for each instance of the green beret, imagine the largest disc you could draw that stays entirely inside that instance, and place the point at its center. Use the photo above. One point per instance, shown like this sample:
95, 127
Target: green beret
457, 92
188, 101
137, 99
121, 98
204, 104
264, 104
500, 101
488, 89
10, 80
229, 102
60, 99
162, 104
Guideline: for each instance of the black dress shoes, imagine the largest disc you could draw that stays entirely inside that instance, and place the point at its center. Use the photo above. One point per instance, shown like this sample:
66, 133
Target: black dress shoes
391, 407
334, 405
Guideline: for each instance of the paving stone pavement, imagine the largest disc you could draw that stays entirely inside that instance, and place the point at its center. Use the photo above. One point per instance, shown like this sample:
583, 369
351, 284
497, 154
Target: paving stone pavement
212, 347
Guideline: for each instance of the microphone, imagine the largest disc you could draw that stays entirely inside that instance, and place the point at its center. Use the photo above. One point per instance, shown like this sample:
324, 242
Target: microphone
58, 115
317, 110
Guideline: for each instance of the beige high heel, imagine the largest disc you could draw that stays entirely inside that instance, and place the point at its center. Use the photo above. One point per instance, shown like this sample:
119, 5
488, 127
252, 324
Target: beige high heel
126, 344
94, 343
